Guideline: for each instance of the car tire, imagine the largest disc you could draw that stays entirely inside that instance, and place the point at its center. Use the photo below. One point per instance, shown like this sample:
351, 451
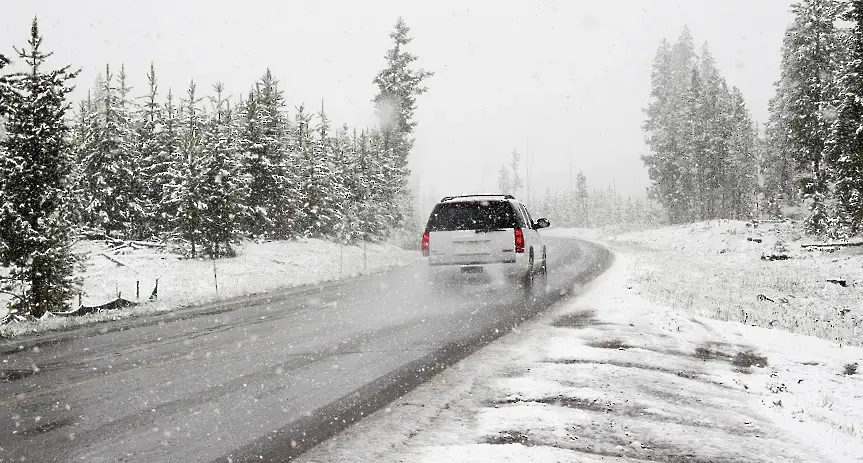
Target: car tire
540, 283
527, 280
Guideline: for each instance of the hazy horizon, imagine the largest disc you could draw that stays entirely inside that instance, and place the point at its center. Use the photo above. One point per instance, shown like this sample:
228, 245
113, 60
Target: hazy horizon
565, 81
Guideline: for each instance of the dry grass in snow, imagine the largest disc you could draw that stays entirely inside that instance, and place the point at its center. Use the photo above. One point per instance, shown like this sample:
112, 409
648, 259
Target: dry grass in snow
715, 269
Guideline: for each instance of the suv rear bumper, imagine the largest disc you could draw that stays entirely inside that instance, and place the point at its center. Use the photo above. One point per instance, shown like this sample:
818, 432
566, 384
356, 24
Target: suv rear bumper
499, 271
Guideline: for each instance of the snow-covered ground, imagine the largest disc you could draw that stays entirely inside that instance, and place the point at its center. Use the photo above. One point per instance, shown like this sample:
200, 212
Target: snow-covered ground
637, 370
715, 269
259, 268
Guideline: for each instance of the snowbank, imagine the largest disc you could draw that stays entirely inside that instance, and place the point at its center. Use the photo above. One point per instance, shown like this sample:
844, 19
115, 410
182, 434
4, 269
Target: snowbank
259, 268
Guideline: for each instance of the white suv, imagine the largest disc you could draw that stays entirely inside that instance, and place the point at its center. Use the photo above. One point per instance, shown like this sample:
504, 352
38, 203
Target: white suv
490, 235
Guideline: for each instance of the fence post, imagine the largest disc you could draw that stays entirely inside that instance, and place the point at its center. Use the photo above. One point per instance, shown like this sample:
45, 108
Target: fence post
216, 277
137, 290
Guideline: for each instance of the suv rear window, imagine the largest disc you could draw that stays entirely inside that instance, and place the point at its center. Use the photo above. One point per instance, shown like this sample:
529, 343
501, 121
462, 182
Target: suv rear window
473, 215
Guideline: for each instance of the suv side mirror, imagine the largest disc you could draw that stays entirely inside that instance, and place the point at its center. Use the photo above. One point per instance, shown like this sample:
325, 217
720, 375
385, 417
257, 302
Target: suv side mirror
542, 223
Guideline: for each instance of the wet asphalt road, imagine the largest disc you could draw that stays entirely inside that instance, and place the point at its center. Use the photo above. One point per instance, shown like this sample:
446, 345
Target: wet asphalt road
262, 379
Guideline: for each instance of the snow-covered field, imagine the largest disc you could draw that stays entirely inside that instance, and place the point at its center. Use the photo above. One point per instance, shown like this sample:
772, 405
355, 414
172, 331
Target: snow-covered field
637, 369
715, 269
259, 268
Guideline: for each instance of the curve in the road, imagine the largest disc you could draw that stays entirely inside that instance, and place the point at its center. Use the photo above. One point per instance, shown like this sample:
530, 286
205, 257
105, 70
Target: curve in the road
262, 379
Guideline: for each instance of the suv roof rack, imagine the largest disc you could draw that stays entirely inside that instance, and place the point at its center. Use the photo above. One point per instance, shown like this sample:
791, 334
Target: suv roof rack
447, 198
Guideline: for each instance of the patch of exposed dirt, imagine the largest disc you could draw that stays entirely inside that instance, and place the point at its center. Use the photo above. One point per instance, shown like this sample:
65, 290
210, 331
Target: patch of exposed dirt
610, 446
609, 344
681, 373
578, 319
510, 437
749, 359
629, 410
706, 353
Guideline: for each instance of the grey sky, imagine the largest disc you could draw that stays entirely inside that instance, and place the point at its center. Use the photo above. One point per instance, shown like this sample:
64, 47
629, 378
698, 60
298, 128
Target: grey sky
564, 78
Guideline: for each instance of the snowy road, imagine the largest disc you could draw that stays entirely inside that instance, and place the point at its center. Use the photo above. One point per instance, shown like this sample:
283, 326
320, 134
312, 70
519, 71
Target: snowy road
261, 379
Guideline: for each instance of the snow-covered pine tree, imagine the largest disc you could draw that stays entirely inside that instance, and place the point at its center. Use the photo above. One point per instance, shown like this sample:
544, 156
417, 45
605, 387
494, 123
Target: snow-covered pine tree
269, 160
326, 193
740, 183
685, 125
303, 150
80, 133
349, 168
517, 181
222, 187
581, 196
166, 166
110, 164
36, 230
713, 165
399, 85
6, 92
381, 200
692, 147
155, 160
504, 183
379, 211
777, 163
664, 137
343, 153
185, 194
806, 94
134, 183
847, 137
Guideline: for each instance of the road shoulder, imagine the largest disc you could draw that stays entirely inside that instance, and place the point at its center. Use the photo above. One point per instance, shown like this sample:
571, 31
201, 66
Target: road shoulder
609, 376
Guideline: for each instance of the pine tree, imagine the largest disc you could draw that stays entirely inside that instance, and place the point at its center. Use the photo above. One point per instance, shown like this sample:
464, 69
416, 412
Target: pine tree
110, 164
275, 201
36, 233
155, 160
186, 194
6, 92
222, 187
399, 85
303, 145
80, 135
327, 193
517, 181
134, 184
691, 156
847, 138
581, 195
664, 135
701, 159
164, 170
504, 183
713, 165
741, 183
806, 91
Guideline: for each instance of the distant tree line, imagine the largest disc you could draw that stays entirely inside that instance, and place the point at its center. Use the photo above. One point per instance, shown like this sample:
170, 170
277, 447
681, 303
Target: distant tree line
203, 170
580, 206
813, 145
702, 159
583, 207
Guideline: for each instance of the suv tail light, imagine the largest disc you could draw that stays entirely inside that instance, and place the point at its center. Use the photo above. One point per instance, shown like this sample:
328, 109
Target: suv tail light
519, 240
425, 244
